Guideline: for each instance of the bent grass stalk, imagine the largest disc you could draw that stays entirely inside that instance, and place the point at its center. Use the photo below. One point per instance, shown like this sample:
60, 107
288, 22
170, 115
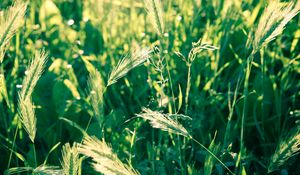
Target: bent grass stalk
166, 123
197, 48
26, 107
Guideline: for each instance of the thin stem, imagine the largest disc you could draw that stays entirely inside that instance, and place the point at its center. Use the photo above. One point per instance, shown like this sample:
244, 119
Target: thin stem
171, 85
168, 71
131, 146
13, 144
231, 106
245, 105
212, 154
188, 87
152, 152
262, 90
34, 155
88, 124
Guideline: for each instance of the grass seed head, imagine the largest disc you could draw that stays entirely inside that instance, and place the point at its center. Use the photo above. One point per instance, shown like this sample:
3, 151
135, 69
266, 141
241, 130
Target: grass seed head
10, 21
163, 122
105, 161
273, 21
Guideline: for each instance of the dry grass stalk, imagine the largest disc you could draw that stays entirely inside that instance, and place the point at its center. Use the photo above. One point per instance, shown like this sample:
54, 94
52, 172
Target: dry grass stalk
71, 163
138, 57
26, 107
288, 147
163, 122
105, 161
33, 73
273, 21
9, 23
96, 89
155, 13
40, 170
28, 118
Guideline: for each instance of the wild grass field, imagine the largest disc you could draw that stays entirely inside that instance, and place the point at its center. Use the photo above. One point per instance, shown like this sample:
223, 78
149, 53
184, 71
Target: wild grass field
128, 87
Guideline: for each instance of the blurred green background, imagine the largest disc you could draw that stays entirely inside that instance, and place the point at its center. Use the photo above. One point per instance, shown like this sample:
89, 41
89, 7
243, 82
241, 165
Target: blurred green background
79, 34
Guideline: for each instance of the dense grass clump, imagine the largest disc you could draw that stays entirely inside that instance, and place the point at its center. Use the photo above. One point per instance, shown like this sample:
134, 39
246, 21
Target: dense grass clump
149, 87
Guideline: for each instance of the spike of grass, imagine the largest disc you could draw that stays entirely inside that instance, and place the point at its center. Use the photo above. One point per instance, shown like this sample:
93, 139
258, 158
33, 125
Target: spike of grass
96, 89
105, 161
155, 13
165, 123
287, 148
70, 160
33, 73
138, 57
273, 21
10, 23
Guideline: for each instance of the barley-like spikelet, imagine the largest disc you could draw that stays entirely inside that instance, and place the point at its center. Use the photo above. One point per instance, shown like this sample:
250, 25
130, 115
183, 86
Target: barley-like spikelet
138, 57
47, 170
287, 148
273, 22
96, 87
40, 170
163, 122
28, 118
9, 24
155, 13
26, 107
105, 161
71, 162
33, 74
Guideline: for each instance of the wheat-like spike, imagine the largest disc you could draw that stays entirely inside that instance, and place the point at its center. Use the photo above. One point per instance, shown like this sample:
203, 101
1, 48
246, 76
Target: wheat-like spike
26, 107
163, 122
16, 170
273, 22
28, 118
47, 170
126, 64
105, 161
33, 73
9, 24
96, 88
155, 13
287, 148
71, 162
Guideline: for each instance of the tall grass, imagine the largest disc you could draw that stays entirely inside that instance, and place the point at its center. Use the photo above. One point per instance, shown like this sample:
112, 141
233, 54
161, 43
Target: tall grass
212, 112
271, 24
155, 13
10, 22
165, 123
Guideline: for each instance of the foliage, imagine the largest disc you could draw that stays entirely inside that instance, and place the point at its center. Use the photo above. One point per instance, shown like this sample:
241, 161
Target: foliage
218, 82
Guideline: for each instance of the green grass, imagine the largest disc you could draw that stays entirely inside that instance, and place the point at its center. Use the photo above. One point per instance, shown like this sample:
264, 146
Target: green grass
149, 87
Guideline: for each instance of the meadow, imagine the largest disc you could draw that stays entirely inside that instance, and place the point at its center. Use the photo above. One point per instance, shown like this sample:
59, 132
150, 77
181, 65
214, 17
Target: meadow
129, 87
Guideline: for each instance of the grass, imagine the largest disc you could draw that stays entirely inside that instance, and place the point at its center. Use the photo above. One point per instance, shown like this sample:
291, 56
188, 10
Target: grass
149, 87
